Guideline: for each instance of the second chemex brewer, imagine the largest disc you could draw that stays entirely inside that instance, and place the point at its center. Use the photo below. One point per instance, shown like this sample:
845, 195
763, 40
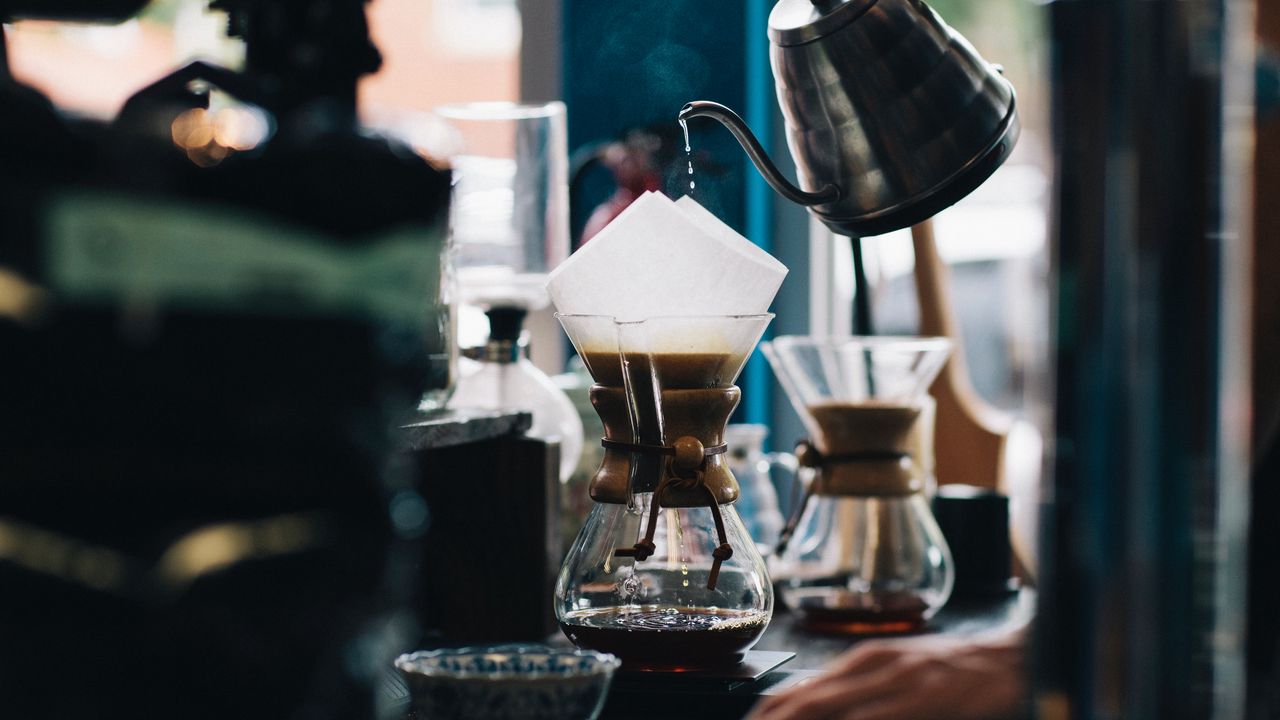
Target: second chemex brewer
863, 553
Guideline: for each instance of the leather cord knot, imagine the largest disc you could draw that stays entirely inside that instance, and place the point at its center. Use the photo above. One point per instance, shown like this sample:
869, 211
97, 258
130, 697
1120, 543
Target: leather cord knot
643, 549
808, 455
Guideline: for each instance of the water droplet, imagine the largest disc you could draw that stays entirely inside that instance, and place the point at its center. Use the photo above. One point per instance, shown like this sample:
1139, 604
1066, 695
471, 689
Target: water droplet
631, 585
685, 582
688, 150
684, 569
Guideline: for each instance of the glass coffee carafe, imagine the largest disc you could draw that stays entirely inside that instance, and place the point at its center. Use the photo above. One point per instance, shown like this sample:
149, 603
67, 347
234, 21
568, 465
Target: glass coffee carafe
864, 554
664, 574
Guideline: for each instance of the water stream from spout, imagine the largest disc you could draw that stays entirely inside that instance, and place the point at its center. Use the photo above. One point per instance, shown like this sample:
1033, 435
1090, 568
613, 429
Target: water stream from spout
688, 152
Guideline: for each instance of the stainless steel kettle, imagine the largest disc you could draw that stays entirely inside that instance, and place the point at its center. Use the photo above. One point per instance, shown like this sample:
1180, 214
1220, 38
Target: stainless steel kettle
891, 115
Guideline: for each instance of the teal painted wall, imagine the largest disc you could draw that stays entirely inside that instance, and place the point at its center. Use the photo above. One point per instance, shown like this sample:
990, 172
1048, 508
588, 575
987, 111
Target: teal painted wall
634, 64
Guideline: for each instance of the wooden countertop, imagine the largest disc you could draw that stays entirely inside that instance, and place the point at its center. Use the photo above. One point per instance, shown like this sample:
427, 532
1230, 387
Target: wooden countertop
673, 697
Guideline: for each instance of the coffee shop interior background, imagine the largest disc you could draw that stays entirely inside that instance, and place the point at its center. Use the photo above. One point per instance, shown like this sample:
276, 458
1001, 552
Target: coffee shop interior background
626, 73
627, 67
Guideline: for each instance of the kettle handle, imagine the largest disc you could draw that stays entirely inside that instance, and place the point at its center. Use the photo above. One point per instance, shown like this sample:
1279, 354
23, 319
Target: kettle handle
730, 119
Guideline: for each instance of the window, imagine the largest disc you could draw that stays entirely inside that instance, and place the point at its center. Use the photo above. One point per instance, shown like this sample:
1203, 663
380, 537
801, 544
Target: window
434, 51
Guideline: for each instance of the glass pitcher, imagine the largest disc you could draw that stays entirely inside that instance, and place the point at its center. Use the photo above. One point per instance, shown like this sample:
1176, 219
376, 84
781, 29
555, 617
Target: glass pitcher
758, 504
865, 555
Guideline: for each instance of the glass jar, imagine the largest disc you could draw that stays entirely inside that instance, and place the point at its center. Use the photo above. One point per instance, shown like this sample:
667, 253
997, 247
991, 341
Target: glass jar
505, 379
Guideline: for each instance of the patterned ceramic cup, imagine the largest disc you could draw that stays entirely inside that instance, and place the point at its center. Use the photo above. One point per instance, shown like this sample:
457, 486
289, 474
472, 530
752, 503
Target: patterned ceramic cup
528, 682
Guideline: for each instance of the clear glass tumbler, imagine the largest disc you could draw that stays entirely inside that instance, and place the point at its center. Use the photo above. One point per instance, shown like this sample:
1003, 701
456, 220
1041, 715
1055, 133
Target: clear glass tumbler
510, 212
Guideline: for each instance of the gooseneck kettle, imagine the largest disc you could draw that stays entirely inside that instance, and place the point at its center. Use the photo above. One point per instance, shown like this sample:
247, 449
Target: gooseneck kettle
891, 115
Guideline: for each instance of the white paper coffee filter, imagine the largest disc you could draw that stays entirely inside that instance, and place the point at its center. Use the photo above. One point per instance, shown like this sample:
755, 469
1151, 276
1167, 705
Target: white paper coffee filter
663, 258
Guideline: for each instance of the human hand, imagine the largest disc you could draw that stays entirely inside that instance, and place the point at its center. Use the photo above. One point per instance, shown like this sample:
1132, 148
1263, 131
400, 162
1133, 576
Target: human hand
919, 678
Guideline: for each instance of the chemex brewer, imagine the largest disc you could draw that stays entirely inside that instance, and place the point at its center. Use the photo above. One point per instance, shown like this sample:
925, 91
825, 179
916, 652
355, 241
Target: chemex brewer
664, 574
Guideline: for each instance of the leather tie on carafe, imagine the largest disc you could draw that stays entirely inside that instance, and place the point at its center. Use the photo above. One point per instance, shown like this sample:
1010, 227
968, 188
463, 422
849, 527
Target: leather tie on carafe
893, 446
685, 468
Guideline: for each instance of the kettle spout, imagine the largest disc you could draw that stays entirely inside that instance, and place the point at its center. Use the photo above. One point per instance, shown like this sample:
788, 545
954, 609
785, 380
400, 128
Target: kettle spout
730, 119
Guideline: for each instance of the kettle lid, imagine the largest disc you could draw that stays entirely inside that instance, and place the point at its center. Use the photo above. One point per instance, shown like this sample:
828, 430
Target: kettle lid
795, 22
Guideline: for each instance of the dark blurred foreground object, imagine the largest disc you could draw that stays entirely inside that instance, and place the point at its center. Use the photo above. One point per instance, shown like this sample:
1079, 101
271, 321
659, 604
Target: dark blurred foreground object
205, 341
71, 10
1143, 561
488, 569
975, 522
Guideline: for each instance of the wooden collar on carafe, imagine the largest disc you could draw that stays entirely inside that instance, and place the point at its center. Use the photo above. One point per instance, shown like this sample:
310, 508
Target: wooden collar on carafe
627, 468
868, 450
689, 472
872, 450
